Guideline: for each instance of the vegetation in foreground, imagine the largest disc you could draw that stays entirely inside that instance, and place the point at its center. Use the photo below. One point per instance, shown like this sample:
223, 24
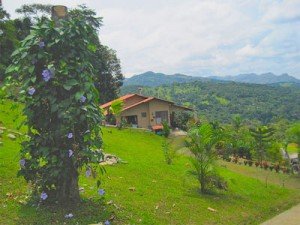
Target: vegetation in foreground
146, 190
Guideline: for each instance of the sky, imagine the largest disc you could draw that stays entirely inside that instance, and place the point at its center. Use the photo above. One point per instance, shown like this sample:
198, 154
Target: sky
197, 37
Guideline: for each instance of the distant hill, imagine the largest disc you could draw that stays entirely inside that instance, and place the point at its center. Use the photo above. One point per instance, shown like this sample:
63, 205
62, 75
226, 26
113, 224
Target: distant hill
153, 79
265, 78
220, 101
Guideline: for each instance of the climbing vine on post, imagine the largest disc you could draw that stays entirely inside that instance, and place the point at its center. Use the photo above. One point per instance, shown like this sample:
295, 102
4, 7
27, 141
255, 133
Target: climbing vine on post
54, 71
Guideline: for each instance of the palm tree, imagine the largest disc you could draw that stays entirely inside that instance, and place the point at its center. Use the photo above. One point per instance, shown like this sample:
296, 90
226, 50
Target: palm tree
200, 141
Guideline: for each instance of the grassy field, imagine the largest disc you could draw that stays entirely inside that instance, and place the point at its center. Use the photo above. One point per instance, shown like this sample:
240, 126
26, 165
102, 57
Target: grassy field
145, 190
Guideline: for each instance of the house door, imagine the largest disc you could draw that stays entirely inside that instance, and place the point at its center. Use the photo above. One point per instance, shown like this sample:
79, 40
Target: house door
161, 116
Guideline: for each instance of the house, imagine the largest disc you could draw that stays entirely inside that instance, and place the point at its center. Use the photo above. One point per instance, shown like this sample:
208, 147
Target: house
145, 112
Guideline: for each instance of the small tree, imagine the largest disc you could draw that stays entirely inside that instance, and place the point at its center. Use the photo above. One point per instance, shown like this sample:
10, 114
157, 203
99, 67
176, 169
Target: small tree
262, 136
168, 151
166, 129
53, 69
200, 141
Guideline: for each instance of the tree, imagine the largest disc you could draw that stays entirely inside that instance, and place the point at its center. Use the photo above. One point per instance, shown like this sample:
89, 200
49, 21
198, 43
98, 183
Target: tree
262, 135
8, 41
53, 69
201, 140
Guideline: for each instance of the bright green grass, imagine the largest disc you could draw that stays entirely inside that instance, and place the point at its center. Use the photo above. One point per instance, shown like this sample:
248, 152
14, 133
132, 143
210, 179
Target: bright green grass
164, 194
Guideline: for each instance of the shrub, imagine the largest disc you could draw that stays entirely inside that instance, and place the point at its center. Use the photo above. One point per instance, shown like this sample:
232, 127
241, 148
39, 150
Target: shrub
166, 129
180, 119
169, 152
250, 162
201, 140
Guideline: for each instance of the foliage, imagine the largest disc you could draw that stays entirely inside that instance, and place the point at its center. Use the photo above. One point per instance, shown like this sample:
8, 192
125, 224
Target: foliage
169, 152
117, 107
181, 119
8, 41
252, 102
108, 76
262, 136
166, 129
200, 142
53, 69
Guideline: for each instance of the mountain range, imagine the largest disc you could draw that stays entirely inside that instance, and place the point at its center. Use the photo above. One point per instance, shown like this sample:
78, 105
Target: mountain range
153, 79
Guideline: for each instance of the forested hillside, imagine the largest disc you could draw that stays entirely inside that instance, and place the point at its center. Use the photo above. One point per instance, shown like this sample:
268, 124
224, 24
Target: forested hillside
220, 101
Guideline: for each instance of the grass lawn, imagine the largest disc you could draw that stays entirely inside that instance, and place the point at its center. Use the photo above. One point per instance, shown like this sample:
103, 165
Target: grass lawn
163, 194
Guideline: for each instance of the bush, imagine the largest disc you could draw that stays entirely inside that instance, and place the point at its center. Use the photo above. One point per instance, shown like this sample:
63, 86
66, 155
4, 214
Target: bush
166, 129
169, 152
180, 119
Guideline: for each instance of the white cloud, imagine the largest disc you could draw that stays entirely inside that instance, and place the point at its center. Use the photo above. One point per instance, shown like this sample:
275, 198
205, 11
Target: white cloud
199, 37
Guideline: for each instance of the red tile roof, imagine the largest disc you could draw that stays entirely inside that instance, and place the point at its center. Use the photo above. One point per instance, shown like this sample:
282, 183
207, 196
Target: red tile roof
121, 98
146, 99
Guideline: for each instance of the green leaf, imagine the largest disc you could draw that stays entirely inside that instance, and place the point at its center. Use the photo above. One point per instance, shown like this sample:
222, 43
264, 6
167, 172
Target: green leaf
98, 183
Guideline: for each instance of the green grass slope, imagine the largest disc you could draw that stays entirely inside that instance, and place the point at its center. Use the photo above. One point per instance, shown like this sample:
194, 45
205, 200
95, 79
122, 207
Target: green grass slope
163, 194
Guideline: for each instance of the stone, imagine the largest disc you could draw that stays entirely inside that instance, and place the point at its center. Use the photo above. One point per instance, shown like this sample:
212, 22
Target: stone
11, 136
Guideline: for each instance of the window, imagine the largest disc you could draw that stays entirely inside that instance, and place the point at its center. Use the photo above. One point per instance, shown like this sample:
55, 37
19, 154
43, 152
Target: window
144, 114
161, 116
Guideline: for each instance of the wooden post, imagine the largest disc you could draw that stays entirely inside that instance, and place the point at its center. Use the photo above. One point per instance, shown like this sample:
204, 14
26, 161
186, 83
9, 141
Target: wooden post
58, 12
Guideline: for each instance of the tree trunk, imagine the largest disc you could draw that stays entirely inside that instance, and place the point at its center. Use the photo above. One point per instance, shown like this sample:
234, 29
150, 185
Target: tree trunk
68, 191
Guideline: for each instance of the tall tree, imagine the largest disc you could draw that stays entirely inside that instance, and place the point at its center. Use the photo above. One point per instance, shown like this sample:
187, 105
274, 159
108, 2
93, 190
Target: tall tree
263, 136
8, 40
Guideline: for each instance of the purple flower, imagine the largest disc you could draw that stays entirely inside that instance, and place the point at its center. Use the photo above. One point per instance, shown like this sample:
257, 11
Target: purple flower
106, 222
70, 135
70, 152
22, 162
42, 44
82, 98
101, 192
88, 173
46, 75
31, 91
44, 195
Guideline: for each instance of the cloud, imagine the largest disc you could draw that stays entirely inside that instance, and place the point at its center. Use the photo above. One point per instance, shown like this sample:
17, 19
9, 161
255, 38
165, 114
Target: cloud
207, 37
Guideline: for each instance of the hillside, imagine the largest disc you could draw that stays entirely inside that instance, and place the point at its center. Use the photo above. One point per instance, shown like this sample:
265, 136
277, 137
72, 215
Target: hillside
265, 78
156, 79
163, 194
219, 101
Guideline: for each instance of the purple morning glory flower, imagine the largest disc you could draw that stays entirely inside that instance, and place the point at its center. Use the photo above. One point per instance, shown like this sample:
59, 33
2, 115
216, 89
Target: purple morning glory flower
31, 91
106, 222
82, 98
101, 192
42, 44
22, 162
44, 195
70, 135
70, 152
46, 75
88, 173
